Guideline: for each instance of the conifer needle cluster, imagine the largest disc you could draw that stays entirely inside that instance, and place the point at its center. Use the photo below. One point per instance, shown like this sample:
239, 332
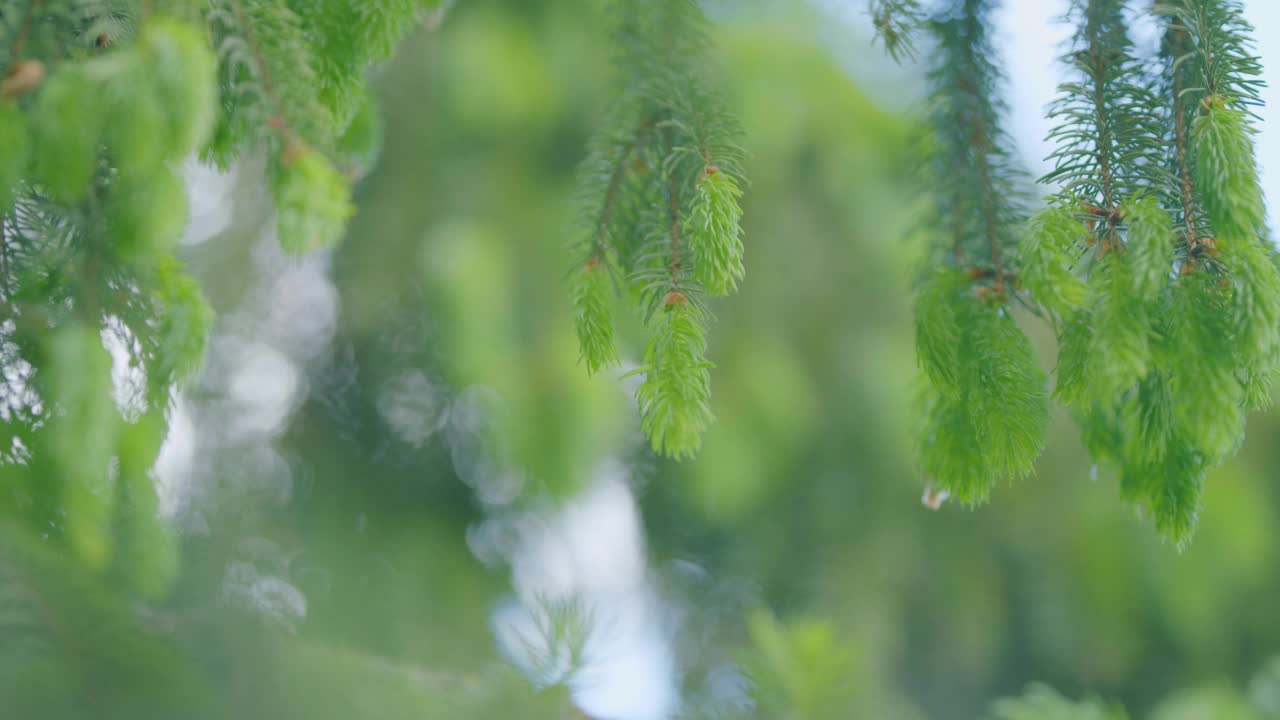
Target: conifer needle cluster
660, 192
1150, 261
100, 104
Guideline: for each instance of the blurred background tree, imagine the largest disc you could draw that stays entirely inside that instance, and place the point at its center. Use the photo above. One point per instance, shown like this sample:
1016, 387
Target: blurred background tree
397, 495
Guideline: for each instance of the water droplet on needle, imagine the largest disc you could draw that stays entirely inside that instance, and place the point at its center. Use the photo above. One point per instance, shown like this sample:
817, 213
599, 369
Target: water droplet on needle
934, 496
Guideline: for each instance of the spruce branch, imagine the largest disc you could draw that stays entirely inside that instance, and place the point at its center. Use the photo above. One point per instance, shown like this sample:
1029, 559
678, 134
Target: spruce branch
982, 404
675, 397
592, 288
1176, 45
896, 23
1159, 358
312, 196
977, 186
1108, 132
661, 210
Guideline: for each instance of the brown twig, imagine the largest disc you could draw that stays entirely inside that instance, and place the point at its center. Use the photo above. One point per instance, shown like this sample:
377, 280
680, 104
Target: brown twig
1187, 187
673, 203
20, 43
611, 193
1099, 105
982, 143
277, 119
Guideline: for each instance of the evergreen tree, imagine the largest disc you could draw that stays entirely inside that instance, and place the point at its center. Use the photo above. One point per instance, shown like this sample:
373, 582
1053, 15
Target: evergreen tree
101, 103
1150, 262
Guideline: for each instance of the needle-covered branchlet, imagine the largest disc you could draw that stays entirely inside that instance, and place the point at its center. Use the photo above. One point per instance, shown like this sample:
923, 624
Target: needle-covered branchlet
661, 220
1150, 261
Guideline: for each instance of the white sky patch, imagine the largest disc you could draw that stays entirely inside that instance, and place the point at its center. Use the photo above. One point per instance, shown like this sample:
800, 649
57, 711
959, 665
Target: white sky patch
255, 374
208, 200
413, 407
173, 463
270, 596
263, 389
590, 556
1265, 16
128, 378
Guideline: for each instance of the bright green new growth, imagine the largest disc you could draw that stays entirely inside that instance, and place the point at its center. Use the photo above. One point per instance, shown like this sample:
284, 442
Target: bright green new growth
983, 411
938, 330
1149, 247
1119, 348
153, 551
1210, 402
312, 201
1227, 171
593, 293
675, 397
1047, 253
65, 132
1227, 180
661, 219
182, 319
715, 236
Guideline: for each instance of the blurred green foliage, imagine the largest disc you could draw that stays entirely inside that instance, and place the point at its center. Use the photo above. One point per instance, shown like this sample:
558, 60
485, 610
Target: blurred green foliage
820, 574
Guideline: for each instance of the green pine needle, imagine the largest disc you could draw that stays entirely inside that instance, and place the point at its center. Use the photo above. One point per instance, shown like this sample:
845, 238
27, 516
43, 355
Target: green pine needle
1226, 170
659, 207
948, 446
1119, 350
1074, 340
1149, 247
592, 292
937, 329
1170, 489
714, 232
1006, 390
675, 397
66, 127
1048, 253
1210, 403
897, 22
183, 83
984, 405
